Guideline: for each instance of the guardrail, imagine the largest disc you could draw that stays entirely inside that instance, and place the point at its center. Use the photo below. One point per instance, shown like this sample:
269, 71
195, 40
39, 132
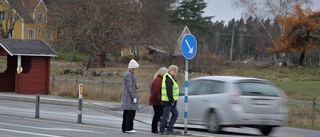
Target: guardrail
312, 103
90, 81
303, 102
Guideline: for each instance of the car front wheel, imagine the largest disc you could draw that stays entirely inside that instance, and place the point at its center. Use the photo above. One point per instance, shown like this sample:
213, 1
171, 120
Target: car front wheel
266, 130
213, 123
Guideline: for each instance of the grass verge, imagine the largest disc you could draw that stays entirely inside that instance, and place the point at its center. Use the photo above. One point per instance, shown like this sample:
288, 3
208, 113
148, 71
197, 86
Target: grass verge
300, 83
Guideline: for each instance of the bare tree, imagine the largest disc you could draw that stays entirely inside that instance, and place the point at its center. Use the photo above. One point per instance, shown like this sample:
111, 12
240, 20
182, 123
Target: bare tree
10, 17
96, 26
154, 20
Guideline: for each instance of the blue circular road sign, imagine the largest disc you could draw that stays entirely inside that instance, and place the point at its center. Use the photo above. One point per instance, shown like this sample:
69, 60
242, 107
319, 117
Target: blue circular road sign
189, 46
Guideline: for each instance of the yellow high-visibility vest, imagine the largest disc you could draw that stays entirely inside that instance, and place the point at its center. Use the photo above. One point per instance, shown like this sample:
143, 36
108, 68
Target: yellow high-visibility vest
175, 89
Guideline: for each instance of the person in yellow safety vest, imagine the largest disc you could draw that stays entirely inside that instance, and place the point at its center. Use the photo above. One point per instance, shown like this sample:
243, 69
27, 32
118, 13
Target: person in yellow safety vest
169, 98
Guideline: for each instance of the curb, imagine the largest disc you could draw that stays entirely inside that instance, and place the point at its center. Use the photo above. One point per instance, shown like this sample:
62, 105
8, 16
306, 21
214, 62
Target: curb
55, 100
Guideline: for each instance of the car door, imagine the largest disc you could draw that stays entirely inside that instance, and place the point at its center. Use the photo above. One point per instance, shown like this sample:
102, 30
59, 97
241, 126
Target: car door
202, 93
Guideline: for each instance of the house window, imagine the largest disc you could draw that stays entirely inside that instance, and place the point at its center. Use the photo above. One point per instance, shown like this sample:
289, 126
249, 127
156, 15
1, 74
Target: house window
39, 31
132, 50
11, 35
2, 14
3, 60
40, 17
48, 34
31, 34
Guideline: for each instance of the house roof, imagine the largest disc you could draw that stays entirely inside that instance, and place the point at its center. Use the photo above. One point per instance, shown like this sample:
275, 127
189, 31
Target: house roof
31, 5
22, 7
177, 49
27, 47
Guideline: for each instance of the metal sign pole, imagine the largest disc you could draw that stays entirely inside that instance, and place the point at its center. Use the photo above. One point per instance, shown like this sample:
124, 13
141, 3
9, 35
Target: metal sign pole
189, 50
186, 100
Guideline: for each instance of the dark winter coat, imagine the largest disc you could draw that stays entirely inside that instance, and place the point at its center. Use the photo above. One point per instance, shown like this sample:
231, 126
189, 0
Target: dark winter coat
155, 91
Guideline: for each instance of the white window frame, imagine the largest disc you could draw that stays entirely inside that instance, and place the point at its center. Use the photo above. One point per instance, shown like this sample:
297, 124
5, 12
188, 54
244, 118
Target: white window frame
40, 17
31, 34
2, 15
11, 35
132, 50
48, 34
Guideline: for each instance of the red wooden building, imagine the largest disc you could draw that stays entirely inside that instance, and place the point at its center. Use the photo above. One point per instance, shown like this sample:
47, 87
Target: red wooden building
28, 66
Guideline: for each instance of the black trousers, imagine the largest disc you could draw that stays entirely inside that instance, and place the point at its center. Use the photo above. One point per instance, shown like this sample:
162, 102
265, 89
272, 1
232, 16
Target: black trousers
127, 122
156, 117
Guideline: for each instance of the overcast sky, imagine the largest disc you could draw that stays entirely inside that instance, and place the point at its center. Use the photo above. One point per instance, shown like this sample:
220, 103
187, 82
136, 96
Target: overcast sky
222, 10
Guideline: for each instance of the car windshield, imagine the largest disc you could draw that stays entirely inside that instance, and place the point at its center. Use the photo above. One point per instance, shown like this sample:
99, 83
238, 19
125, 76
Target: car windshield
257, 89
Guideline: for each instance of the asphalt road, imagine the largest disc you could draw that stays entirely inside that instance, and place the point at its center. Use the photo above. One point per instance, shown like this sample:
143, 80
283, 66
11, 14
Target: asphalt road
26, 127
17, 120
58, 118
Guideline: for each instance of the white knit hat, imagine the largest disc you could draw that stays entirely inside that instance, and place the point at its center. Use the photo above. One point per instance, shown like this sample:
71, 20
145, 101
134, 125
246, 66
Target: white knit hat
133, 64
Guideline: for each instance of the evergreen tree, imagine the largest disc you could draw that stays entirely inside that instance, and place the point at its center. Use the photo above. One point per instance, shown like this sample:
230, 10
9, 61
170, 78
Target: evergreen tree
218, 30
189, 13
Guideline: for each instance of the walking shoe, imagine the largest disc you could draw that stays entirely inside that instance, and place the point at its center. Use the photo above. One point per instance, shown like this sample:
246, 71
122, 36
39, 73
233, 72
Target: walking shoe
174, 132
131, 131
164, 133
155, 132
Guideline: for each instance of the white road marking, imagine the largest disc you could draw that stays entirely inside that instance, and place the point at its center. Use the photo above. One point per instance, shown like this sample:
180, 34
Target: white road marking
30, 133
52, 129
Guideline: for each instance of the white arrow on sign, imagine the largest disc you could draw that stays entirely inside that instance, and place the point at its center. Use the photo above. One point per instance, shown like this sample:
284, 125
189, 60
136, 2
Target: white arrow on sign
190, 49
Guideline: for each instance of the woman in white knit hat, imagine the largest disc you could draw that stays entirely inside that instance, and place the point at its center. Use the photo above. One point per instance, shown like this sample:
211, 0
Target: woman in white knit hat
129, 98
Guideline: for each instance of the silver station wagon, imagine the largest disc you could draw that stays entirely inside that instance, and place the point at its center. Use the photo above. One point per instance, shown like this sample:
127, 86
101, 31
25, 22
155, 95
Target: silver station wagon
215, 102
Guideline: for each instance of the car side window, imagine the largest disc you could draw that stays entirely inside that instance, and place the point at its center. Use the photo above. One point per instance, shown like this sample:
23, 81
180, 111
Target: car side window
193, 88
217, 87
257, 89
203, 87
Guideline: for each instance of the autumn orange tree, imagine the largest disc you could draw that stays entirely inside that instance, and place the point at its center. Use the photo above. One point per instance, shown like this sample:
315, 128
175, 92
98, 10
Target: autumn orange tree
301, 32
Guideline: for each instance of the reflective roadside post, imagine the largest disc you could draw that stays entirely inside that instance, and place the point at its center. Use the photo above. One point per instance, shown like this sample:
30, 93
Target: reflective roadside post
313, 107
80, 93
37, 105
189, 50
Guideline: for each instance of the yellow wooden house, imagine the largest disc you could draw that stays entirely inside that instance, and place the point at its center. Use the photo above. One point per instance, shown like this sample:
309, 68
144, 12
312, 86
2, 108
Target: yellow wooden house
30, 18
